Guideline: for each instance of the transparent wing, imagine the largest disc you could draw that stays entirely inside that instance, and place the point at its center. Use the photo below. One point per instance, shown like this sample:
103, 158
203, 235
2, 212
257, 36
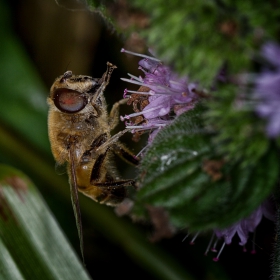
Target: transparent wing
75, 198
60, 169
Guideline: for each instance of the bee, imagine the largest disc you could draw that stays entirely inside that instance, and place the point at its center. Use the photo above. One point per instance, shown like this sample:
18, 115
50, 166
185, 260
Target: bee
79, 129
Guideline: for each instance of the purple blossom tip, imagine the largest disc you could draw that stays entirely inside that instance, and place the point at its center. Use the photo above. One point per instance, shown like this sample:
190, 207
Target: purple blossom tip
215, 259
267, 90
163, 94
253, 252
124, 93
247, 225
123, 50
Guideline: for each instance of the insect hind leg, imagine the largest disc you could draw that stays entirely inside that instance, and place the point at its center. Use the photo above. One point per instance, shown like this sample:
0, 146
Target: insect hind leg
115, 191
112, 191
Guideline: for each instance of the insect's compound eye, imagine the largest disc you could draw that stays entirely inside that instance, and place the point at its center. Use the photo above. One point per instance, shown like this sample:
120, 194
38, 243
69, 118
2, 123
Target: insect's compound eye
69, 101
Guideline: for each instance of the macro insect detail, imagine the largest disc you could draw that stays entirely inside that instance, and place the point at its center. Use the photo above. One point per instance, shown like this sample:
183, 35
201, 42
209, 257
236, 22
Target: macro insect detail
80, 135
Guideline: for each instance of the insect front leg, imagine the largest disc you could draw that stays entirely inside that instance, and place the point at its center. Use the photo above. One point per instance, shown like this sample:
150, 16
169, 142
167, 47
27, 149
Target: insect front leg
114, 114
113, 121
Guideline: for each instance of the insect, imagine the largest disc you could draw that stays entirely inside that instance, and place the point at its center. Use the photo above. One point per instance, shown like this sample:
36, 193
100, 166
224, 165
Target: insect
80, 135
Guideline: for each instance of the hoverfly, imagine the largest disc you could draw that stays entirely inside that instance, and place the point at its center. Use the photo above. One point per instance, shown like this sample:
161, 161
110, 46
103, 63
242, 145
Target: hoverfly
80, 136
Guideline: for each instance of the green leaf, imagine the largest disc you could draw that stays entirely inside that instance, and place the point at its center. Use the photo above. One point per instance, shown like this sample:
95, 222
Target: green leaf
33, 244
175, 176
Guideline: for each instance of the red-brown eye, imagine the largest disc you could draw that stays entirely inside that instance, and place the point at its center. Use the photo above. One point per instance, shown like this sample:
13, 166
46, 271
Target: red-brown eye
69, 101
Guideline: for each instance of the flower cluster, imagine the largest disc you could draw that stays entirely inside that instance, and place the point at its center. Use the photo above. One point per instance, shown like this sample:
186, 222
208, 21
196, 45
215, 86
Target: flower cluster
245, 226
267, 89
241, 228
163, 93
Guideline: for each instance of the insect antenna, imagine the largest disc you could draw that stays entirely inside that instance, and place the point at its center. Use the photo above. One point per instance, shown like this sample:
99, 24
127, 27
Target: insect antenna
67, 66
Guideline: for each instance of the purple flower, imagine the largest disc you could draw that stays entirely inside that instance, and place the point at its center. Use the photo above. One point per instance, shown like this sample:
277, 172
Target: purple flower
267, 89
271, 52
167, 95
245, 226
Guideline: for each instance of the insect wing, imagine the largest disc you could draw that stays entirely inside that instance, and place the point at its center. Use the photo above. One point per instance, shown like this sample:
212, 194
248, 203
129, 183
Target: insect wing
60, 169
75, 197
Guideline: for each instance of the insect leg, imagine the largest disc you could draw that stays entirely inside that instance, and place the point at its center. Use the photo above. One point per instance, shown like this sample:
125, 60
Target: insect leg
101, 139
112, 192
104, 81
96, 175
97, 169
115, 184
114, 114
88, 154
112, 140
124, 153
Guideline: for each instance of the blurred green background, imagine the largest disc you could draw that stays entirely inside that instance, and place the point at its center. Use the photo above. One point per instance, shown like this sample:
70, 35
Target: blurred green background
40, 40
